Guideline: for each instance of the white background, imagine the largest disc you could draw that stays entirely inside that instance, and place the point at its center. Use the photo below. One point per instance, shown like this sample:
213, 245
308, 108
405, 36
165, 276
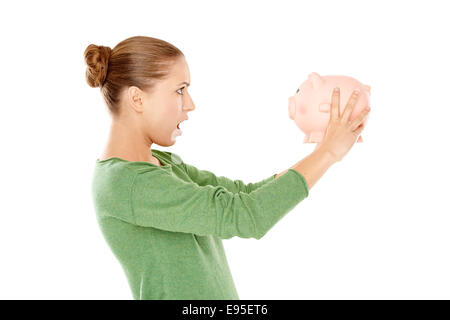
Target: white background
376, 226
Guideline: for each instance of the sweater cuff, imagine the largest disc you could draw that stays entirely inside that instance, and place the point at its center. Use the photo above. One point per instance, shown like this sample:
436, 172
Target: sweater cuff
302, 180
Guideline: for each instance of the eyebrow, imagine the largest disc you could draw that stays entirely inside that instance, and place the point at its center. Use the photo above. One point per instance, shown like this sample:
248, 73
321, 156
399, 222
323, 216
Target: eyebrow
184, 82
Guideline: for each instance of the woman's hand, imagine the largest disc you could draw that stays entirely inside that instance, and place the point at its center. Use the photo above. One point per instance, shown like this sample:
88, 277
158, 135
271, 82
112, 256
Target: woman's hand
341, 133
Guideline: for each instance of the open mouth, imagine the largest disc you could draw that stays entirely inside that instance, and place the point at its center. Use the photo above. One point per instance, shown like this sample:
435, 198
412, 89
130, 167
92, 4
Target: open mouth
178, 125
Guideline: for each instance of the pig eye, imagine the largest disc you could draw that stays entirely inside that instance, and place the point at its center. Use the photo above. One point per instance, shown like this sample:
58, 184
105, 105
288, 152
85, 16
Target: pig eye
297, 90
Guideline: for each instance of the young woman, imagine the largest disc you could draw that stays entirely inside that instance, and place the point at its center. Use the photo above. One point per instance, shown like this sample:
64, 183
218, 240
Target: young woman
165, 219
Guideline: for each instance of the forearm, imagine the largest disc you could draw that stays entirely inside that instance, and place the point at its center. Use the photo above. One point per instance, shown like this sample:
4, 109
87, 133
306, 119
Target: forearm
313, 166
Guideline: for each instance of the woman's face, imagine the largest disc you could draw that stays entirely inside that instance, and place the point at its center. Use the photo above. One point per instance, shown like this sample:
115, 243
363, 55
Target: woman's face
167, 105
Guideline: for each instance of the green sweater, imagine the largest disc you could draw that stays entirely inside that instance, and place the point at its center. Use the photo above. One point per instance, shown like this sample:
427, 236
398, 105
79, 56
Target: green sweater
165, 224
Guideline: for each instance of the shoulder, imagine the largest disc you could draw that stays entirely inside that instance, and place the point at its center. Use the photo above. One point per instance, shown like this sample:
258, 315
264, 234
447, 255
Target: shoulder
110, 188
168, 156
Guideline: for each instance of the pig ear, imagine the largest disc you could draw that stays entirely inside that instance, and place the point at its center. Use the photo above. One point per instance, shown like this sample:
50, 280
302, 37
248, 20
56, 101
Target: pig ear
367, 87
316, 80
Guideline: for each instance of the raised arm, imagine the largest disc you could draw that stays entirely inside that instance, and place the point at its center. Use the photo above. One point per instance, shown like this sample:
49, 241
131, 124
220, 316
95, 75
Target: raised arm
313, 166
164, 201
205, 177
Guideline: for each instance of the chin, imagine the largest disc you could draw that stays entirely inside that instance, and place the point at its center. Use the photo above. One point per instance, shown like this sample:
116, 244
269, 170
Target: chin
167, 143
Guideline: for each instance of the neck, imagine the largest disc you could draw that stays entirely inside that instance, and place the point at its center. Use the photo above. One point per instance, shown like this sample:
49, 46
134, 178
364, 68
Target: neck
127, 142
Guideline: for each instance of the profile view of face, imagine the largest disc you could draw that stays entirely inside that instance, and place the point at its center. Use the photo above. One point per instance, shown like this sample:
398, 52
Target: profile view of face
167, 105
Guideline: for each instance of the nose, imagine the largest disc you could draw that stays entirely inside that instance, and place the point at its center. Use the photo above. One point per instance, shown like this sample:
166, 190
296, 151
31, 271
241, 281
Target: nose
189, 106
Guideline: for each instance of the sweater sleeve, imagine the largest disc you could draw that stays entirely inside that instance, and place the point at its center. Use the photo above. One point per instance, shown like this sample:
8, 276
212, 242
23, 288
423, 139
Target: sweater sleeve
205, 177
164, 201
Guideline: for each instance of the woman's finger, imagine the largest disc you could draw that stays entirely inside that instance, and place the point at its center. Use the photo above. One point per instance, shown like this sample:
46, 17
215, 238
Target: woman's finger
335, 109
359, 119
350, 104
359, 129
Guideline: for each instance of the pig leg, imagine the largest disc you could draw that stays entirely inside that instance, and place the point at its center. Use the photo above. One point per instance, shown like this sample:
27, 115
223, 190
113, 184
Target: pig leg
313, 137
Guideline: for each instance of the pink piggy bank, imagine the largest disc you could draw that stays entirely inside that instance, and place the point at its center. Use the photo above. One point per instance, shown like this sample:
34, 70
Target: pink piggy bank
311, 105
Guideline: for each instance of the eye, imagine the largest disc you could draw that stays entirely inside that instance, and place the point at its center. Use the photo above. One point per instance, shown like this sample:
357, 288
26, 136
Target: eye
181, 89
297, 90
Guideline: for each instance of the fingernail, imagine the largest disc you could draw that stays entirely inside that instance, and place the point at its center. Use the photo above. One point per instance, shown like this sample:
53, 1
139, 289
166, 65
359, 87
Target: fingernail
336, 89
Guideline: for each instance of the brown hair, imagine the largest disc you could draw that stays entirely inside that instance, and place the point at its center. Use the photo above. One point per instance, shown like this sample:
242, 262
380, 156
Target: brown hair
137, 61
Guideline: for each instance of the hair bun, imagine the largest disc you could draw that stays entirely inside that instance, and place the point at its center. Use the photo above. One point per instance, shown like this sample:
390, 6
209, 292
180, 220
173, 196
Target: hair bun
96, 58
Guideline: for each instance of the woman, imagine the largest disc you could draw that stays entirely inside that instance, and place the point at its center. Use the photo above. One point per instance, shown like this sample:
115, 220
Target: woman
165, 219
